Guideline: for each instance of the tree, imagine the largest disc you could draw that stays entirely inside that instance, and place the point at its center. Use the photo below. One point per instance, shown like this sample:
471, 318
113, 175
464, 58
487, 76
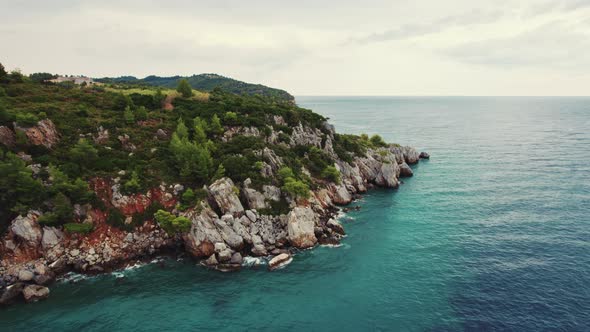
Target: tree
141, 114
193, 160
185, 88
40, 77
159, 98
128, 115
3, 74
200, 129
215, 127
19, 191
84, 153
62, 208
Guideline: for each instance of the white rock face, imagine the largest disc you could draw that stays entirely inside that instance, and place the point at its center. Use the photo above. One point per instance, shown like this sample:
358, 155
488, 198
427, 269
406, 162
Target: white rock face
226, 197
255, 199
27, 229
300, 227
51, 237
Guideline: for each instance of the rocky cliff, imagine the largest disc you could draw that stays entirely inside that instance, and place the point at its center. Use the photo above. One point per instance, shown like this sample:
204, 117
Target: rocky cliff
230, 224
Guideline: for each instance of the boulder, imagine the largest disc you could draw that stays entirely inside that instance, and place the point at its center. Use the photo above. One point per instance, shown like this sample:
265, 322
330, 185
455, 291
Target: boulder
7, 136
341, 195
211, 260
51, 237
224, 255
203, 233
387, 176
44, 133
254, 199
236, 258
300, 227
27, 229
424, 155
405, 170
271, 193
279, 261
25, 275
33, 293
224, 194
11, 292
335, 226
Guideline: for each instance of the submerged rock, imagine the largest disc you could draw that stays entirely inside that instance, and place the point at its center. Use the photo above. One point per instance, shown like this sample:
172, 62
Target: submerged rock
33, 293
279, 261
424, 155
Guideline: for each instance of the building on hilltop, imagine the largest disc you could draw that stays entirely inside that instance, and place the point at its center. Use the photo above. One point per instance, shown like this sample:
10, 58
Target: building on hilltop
74, 79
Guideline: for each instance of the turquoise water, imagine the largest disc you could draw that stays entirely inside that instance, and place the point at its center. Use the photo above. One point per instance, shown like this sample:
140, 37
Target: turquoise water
493, 233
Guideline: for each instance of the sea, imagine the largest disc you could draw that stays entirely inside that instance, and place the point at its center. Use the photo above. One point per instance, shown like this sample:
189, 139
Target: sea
491, 234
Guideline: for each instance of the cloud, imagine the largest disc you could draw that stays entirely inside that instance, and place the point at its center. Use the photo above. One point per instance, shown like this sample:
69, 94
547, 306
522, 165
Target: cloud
553, 45
473, 17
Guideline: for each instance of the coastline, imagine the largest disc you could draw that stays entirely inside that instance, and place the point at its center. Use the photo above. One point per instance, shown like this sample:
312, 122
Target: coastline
225, 228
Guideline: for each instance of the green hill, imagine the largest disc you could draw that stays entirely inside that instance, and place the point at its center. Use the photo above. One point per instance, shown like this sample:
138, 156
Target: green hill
205, 82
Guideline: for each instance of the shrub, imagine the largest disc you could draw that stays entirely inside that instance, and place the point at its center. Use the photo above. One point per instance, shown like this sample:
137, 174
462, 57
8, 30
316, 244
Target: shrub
117, 219
377, 141
26, 119
78, 228
331, 173
296, 188
170, 223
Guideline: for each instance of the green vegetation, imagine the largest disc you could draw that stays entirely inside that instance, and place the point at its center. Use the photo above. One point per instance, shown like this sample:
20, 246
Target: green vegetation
155, 134
78, 228
170, 223
205, 82
184, 88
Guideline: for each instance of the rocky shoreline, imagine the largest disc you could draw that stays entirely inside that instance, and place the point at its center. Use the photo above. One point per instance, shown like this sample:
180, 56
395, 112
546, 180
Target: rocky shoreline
226, 227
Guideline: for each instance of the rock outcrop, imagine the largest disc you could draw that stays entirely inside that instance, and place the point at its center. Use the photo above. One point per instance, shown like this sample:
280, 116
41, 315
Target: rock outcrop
27, 229
7, 136
44, 133
300, 227
224, 195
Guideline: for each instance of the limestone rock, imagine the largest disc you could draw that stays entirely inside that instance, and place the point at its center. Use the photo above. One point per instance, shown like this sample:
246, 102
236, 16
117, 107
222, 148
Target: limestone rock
254, 199
335, 226
51, 237
271, 193
44, 133
300, 227
7, 136
33, 293
279, 261
199, 241
405, 170
236, 258
224, 194
341, 195
25, 275
27, 229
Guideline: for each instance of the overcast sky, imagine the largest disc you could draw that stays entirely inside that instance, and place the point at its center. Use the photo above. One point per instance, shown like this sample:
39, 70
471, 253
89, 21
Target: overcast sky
313, 47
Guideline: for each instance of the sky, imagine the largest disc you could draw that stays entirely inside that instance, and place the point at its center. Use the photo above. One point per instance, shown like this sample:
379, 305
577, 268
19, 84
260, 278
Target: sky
313, 47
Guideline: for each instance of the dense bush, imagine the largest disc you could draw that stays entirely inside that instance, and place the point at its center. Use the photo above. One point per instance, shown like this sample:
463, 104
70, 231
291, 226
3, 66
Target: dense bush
78, 228
172, 224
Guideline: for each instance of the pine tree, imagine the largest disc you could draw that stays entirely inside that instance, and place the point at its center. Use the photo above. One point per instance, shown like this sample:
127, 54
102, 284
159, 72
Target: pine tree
185, 88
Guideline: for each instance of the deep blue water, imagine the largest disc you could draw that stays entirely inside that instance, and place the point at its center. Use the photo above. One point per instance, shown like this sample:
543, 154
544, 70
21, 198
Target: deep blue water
493, 233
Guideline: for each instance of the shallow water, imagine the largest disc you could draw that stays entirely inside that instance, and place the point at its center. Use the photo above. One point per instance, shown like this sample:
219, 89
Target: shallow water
493, 233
